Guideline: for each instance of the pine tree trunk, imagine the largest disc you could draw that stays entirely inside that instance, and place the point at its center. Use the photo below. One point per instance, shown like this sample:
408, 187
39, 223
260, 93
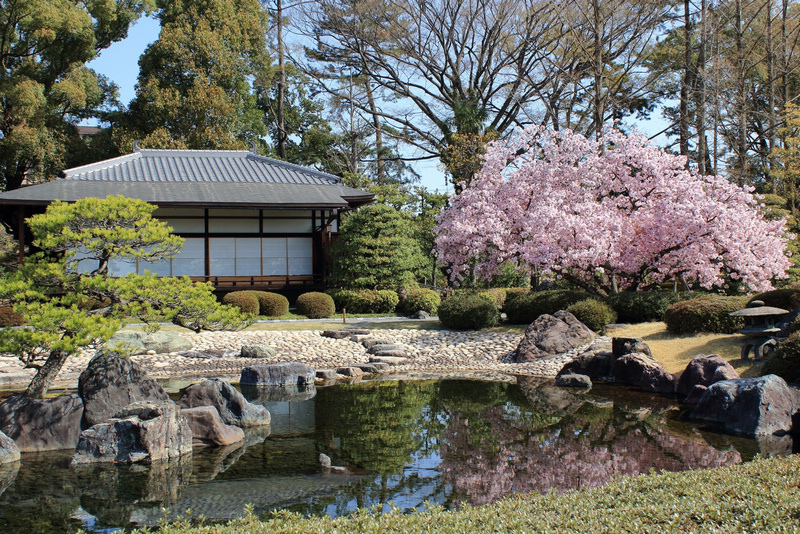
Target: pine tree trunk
46, 374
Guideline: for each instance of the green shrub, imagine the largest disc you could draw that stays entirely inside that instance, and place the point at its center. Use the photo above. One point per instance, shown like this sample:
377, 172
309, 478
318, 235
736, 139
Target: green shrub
8, 317
786, 298
705, 314
244, 300
514, 292
421, 299
785, 362
594, 313
525, 309
644, 306
315, 305
496, 295
364, 300
468, 312
271, 304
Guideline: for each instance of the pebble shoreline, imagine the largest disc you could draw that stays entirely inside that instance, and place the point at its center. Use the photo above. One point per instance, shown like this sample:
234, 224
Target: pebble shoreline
430, 352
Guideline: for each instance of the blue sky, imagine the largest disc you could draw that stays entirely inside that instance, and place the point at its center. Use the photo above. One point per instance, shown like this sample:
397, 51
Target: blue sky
120, 63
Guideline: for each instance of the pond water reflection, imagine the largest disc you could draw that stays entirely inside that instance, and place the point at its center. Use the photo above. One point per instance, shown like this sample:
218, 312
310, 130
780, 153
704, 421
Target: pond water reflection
402, 442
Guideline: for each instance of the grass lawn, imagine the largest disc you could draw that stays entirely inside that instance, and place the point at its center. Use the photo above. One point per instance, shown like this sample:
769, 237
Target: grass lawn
674, 352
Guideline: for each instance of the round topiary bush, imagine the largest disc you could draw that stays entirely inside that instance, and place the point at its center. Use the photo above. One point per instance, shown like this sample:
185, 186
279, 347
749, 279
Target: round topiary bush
787, 298
271, 304
514, 292
785, 362
705, 314
419, 299
468, 312
594, 313
496, 295
644, 306
525, 309
315, 305
244, 300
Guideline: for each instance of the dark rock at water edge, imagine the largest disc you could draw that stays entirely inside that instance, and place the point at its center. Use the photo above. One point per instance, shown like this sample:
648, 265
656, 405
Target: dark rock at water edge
208, 428
110, 383
620, 346
596, 363
572, 380
277, 374
145, 431
695, 394
9, 452
749, 406
326, 374
704, 370
352, 372
639, 369
550, 335
42, 424
233, 407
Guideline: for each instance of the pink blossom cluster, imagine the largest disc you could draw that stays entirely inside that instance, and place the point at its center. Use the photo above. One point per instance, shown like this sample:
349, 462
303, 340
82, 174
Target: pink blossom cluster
613, 207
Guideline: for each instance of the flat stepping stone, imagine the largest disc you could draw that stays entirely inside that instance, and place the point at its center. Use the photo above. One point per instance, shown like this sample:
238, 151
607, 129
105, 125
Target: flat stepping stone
384, 347
393, 353
360, 338
380, 366
391, 360
369, 368
372, 341
356, 331
336, 334
352, 372
326, 374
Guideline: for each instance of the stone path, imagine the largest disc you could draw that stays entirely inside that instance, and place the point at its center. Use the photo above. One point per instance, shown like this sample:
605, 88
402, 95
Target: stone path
429, 351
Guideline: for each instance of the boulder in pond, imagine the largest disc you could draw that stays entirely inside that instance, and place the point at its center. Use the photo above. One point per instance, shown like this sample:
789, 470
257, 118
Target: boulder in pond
9, 452
208, 428
133, 342
749, 406
110, 383
643, 371
278, 374
704, 370
620, 346
38, 425
550, 335
143, 432
573, 380
231, 405
258, 350
595, 362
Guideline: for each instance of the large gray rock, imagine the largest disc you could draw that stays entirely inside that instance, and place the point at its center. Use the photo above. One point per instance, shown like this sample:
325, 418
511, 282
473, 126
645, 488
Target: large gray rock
639, 369
704, 370
278, 374
42, 424
142, 432
550, 335
9, 452
596, 364
133, 342
572, 380
110, 383
233, 408
620, 346
258, 350
208, 428
749, 406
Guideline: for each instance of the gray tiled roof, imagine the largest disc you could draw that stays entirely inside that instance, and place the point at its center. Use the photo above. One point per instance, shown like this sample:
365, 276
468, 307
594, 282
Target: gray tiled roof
196, 178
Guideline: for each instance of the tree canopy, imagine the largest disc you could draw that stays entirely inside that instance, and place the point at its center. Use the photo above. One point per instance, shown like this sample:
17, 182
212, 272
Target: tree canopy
608, 213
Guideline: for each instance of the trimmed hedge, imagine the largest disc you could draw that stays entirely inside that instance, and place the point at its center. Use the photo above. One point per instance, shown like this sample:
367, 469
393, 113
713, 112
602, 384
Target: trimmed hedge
315, 305
786, 298
705, 314
525, 309
244, 300
468, 312
271, 304
364, 300
421, 300
593, 313
496, 295
514, 292
644, 306
786, 361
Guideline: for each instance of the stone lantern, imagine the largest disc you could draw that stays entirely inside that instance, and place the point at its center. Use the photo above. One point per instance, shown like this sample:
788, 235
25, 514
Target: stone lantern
760, 328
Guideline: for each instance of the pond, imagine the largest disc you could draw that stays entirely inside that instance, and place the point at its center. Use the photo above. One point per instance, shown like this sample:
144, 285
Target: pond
404, 443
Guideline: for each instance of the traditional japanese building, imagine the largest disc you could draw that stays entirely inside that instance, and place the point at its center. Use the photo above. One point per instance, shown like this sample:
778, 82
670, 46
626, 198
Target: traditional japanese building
249, 222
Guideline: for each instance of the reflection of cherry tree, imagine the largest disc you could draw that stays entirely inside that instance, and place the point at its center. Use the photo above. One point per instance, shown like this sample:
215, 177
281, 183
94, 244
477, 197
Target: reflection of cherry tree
576, 453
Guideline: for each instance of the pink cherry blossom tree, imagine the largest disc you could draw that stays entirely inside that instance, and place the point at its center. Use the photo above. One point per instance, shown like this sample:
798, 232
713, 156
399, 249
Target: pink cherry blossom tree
607, 214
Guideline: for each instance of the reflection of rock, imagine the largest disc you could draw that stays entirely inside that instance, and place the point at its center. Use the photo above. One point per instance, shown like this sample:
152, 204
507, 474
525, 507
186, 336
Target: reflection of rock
110, 383
487, 459
233, 407
8, 473
9, 452
749, 406
42, 424
112, 493
551, 400
550, 335
775, 445
142, 432
208, 428
208, 463
262, 394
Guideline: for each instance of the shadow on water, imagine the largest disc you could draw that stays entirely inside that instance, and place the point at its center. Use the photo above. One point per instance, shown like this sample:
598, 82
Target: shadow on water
404, 442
